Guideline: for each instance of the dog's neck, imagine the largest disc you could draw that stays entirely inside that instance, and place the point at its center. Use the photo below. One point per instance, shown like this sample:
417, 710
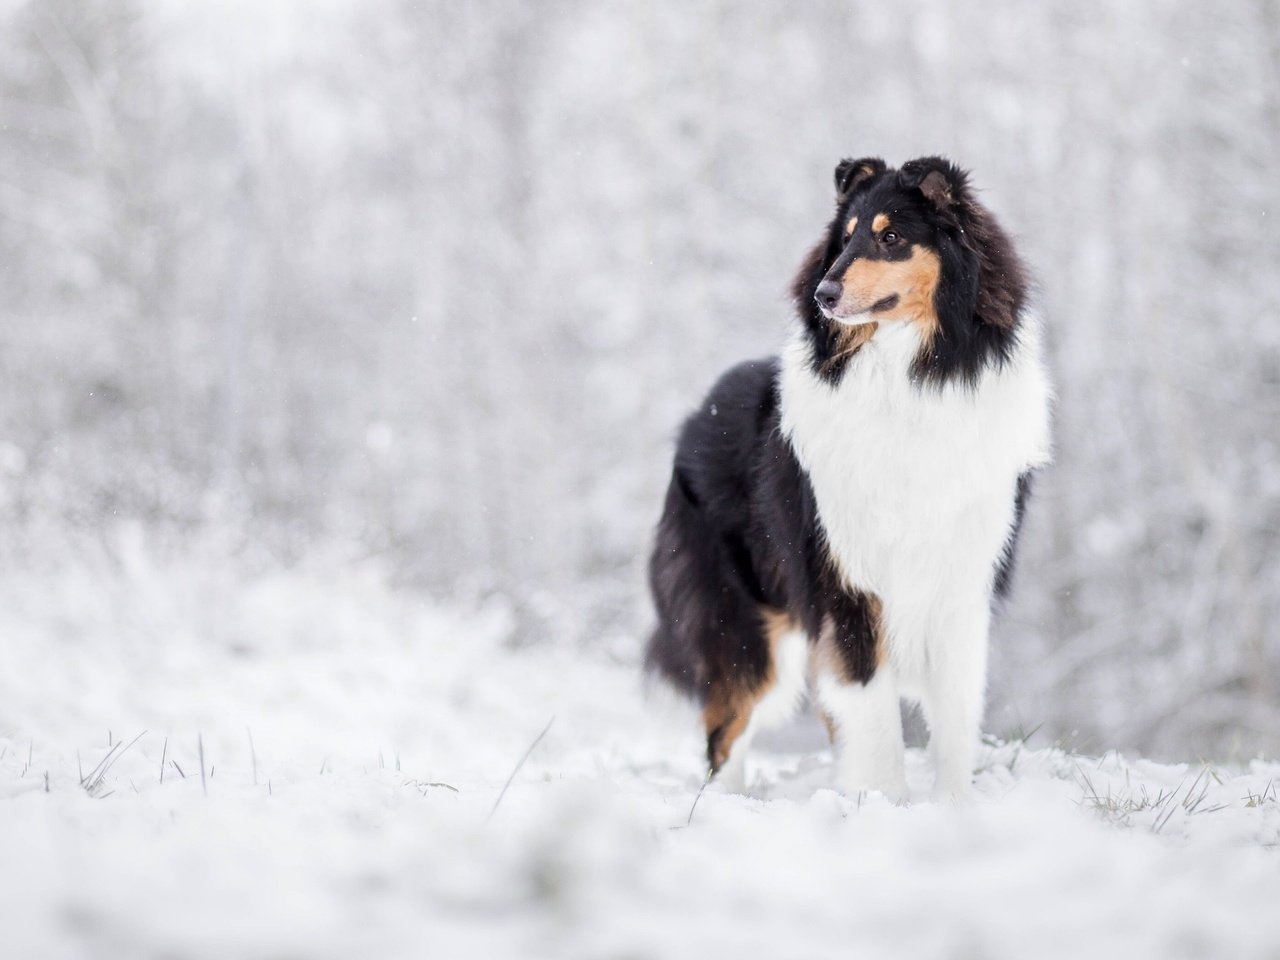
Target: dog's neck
890, 352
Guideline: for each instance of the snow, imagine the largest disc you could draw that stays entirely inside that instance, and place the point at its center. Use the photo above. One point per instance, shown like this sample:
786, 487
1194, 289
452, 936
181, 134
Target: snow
384, 727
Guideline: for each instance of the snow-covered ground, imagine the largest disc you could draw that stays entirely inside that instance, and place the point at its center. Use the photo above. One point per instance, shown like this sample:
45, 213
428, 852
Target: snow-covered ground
355, 740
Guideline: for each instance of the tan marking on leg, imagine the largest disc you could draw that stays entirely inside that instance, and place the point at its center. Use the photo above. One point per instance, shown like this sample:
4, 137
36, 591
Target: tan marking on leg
877, 618
826, 658
729, 708
817, 665
850, 226
828, 723
826, 655
880, 223
725, 718
776, 623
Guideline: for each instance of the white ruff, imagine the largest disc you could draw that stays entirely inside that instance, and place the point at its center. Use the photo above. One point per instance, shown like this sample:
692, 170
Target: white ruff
915, 490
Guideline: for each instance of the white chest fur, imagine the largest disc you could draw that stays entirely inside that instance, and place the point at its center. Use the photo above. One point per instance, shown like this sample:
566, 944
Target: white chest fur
914, 484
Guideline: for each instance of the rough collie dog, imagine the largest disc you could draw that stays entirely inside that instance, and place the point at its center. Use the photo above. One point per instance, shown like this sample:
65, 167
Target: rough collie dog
845, 516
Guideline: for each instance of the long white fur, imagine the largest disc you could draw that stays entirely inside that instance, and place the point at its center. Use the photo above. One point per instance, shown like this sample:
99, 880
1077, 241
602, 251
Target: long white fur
915, 489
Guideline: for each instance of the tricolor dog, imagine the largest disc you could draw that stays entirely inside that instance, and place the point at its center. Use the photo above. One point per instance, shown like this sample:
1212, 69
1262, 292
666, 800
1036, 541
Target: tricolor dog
844, 517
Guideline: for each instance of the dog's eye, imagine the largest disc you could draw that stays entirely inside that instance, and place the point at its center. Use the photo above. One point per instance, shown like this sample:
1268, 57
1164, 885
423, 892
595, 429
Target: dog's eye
888, 238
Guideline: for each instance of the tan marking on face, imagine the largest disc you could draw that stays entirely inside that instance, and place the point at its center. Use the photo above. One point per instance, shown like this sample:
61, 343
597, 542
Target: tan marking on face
880, 223
729, 707
914, 281
850, 226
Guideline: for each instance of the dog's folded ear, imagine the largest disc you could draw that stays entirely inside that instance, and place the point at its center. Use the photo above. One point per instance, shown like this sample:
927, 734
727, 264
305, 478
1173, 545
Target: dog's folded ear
851, 174
943, 183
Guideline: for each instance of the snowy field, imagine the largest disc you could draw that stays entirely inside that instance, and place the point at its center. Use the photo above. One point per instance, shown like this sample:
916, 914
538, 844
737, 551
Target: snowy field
355, 741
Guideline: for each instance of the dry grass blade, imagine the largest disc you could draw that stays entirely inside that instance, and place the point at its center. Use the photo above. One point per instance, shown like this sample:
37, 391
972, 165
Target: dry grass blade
425, 786
1252, 799
253, 756
532, 747
93, 782
204, 786
1169, 807
705, 781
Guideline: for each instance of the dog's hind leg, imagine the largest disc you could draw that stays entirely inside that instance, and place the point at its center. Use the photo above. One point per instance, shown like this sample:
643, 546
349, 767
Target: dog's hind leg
734, 715
718, 637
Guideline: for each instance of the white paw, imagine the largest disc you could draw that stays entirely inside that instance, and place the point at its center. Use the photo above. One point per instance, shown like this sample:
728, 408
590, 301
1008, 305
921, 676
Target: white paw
893, 789
731, 778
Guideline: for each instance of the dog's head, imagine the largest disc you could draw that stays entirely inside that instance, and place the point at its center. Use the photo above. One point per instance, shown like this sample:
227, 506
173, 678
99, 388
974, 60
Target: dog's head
910, 245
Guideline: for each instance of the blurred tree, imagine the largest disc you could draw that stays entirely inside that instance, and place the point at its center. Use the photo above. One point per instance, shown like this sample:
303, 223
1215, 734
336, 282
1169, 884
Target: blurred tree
437, 282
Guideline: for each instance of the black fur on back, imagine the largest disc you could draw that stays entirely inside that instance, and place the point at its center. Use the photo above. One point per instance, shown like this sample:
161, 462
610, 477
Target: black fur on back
738, 528
706, 580
739, 534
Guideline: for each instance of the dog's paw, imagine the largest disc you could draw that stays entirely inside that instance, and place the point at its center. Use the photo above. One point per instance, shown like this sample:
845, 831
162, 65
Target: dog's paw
895, 791
730, 778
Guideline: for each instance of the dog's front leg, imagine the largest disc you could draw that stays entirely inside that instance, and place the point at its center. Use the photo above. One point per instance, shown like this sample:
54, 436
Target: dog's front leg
955, 697
859, 692
868, 734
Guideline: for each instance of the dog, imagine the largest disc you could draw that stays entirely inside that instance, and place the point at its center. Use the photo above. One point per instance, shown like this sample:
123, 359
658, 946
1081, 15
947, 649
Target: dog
844, 517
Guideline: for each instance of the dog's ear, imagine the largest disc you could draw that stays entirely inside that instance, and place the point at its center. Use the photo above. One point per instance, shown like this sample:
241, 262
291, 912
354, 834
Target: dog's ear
851, 174
943, 184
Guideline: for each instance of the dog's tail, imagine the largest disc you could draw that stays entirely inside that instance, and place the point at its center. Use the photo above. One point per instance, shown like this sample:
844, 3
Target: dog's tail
672, 652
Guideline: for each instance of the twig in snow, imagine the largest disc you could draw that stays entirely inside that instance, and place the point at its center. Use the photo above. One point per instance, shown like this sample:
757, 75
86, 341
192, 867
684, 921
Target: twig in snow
93, 782
1257, 799
204, 787
536, 740
423, 786
253, 755
705, 781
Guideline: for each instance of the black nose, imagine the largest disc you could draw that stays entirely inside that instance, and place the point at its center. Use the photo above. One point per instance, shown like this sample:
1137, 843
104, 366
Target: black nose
827, 294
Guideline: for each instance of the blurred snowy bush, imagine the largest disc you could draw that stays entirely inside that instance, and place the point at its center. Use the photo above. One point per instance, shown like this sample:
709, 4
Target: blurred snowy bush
436, 282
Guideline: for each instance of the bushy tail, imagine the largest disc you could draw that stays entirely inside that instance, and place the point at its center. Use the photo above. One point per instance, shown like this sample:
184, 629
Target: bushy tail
672, 653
